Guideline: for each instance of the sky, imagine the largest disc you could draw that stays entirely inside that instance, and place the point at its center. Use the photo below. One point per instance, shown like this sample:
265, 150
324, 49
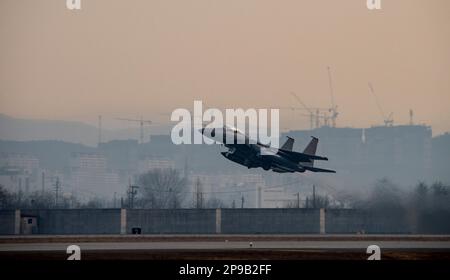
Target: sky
126, 59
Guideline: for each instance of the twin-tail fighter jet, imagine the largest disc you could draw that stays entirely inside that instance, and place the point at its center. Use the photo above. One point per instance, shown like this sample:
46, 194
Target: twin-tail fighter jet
280, 160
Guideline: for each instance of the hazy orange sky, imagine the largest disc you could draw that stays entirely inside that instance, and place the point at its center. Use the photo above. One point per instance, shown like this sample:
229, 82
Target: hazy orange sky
120, 58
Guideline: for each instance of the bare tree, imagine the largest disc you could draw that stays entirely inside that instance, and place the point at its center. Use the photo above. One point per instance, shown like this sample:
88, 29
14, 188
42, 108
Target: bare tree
386, 196
161, 188
19, 199
291, 204
318, 201
5, 198
40, 200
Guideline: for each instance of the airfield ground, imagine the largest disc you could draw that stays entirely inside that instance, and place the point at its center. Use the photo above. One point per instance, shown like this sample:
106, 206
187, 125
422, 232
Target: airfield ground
226, 247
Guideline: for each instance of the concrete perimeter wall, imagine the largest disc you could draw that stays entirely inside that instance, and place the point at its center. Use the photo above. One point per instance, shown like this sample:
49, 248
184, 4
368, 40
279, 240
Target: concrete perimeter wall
247, 221
172, 220
203, 221
345, 221
76, 221
352, 221
7, 222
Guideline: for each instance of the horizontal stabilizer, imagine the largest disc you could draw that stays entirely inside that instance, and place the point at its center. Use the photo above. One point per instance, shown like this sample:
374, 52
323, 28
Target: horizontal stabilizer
301, 157
315, 169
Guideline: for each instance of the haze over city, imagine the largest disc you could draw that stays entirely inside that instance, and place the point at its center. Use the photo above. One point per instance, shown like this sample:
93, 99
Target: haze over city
146, 58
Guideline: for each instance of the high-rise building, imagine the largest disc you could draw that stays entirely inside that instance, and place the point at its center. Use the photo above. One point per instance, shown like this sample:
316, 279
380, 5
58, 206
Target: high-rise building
90, 176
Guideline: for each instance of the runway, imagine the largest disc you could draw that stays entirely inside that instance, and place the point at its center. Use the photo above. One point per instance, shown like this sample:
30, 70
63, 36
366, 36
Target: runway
226, 246
198, 245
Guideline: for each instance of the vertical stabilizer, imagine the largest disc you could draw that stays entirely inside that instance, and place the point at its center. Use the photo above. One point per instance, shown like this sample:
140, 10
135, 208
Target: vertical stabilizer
311, 150
312, 146
288, 145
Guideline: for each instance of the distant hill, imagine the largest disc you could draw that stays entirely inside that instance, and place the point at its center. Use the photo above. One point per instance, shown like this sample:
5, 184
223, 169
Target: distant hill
16, 129
25, 130
51, 154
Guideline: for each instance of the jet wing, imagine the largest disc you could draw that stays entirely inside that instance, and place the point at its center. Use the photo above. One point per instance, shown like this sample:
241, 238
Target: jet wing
300, 157
315, 169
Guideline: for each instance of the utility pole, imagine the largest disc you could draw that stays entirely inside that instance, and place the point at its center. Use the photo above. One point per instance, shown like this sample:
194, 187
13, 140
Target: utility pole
43, 182
314, 196
298, 200
242, 201
198, 194
201, 200
132, 191
115, 199
20, 190
56, 191
129, 193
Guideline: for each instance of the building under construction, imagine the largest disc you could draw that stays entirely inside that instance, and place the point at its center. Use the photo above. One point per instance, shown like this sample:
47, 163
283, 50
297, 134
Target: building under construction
396, 152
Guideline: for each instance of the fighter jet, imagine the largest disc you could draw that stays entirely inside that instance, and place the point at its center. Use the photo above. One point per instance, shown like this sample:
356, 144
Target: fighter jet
282, 160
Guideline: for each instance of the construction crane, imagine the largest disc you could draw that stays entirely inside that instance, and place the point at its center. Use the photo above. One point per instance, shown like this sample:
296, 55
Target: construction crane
389, 119
313, 118
141, 122
333, 109
314, 113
